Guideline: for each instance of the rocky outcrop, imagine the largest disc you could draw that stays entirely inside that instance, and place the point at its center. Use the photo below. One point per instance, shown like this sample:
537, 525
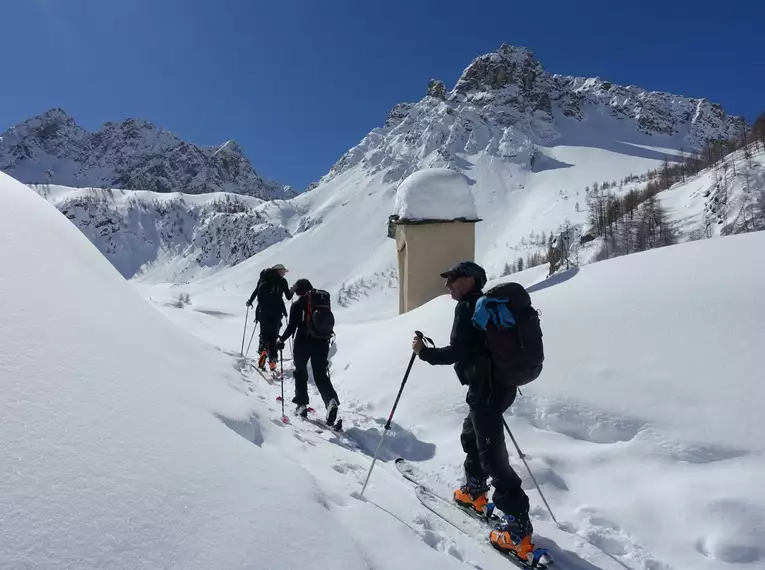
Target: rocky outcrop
437, 89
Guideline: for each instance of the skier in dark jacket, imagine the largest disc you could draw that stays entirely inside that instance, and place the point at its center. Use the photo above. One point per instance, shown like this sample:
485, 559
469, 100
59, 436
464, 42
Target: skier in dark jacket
482, 437
269, 312
305, 348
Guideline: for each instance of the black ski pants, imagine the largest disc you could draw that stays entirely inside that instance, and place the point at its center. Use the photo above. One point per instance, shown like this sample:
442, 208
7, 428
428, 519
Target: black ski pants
269, 335
317, 352
483, 440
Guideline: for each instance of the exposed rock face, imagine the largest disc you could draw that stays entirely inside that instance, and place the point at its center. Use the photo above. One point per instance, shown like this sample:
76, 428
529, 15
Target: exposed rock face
133, 154
437, 89
398, 114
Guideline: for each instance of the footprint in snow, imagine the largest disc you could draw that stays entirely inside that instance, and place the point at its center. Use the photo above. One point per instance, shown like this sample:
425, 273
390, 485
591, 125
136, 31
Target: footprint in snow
344, 467
734, 533
607, 535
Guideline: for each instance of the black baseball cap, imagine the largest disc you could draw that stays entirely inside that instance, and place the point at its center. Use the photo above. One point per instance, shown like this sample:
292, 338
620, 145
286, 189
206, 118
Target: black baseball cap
467, 269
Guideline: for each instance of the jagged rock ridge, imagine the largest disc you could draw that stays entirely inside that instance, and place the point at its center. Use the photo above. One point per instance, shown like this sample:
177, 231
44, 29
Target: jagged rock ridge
133, 154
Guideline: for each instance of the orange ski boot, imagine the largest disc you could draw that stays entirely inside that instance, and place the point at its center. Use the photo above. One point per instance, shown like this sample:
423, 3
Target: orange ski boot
272, 366
473, 495
262, 360
513, 536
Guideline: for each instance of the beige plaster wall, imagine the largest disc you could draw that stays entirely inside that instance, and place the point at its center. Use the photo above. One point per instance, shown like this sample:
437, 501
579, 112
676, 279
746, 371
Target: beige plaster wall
425, 251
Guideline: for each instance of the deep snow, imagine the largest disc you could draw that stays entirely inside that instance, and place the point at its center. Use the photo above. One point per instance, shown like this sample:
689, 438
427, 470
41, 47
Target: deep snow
128, 443
131, 443
435, 194
643, 429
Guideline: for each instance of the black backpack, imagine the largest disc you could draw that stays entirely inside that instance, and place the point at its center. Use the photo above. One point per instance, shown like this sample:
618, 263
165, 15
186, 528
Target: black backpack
516, 348
320, 322
268, 287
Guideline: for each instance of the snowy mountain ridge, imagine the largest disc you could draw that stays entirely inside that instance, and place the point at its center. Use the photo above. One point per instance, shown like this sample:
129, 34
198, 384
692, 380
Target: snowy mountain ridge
505, 104
132, 154
167, 236
531, 142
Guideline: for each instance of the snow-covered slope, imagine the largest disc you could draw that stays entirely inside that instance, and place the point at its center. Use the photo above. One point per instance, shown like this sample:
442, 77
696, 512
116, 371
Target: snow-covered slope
128, 443
721, 200
170, 237
51, 148
643, 430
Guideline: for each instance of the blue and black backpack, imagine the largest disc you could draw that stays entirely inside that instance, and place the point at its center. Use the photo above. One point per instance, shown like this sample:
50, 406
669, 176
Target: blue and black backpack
513, 333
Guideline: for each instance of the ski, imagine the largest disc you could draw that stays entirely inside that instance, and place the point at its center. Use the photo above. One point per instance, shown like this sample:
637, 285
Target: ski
454, 514
337, 427
272, 378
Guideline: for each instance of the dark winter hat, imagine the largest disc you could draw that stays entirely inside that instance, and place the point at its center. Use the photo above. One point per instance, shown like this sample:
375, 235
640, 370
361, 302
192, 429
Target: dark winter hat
279, 267
467, 269
302, 286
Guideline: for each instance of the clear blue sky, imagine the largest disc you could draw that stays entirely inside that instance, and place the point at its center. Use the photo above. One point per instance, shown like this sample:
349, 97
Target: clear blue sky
297, 83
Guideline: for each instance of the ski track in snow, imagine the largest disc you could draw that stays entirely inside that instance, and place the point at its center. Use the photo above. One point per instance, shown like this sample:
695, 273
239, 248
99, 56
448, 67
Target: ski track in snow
596, 529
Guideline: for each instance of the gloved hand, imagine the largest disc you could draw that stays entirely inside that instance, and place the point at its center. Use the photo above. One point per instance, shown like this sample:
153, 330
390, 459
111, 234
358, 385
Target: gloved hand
248, 304
280, 344
417, 344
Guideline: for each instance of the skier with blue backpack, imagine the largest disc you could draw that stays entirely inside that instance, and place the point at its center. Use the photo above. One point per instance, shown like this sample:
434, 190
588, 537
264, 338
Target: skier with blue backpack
495, 346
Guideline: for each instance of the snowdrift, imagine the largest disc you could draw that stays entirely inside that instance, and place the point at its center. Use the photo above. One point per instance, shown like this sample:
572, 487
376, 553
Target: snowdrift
128, 443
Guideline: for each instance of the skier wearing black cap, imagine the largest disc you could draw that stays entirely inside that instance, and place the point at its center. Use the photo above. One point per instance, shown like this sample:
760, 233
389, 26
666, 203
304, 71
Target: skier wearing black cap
482, 437
312, 338
269, 312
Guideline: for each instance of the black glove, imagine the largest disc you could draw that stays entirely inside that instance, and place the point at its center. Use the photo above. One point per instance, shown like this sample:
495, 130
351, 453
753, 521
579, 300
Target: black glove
248, 303
280, 344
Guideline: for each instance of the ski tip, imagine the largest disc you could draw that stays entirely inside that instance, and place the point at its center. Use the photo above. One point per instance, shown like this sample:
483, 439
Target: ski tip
400, 460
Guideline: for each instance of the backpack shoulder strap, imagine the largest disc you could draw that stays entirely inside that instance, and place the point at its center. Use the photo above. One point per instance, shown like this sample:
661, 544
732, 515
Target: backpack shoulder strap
308, 306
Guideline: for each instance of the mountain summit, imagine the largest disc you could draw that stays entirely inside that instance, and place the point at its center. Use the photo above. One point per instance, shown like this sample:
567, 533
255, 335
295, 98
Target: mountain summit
505, 104
132, 154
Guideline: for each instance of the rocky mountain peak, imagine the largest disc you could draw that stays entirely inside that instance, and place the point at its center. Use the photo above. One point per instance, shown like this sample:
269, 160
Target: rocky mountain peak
131, 154
230, 147
509, 65
437, 89
506, 105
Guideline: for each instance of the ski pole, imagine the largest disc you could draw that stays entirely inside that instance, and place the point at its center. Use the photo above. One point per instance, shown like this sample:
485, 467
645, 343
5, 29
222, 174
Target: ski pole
393, 411
244, 332
523, 458
281, 367
249, 344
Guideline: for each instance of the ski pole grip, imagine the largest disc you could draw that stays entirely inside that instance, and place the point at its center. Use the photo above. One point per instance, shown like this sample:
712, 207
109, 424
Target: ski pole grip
424, 339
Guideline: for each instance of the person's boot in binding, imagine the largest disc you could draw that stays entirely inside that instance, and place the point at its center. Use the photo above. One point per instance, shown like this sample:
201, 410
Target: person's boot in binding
473, 494
262, 360
512, 535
